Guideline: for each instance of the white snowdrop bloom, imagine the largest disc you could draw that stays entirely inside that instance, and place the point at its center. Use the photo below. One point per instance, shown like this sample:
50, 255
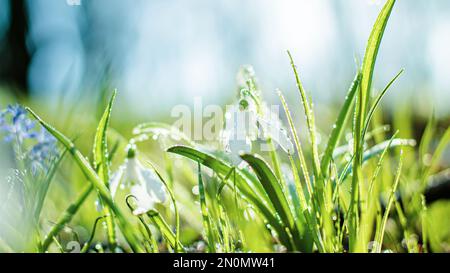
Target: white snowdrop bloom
240, 130
271, 127
145, 184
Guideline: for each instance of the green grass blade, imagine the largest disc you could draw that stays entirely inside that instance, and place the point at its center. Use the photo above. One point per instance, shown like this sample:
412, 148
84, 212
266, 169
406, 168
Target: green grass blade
427, 137
438, 152
379, 148
373, 46
378, 168
273, 189
246, 185
100, 149
165, 229
92, 176
175, 207
101, 165
381, 231
377, 102
204, 210
339, 125
309, 114
297, 143
271, 185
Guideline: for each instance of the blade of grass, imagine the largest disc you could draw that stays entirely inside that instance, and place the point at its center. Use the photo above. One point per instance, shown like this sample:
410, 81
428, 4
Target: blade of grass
380, 233
339, 125
309, 114
175, 208
379, 148
204, 210
298, 145
101, 165
92, 176
165, 229
273, 189
368, 67
150, 238
246, 185
370, 57
377, 102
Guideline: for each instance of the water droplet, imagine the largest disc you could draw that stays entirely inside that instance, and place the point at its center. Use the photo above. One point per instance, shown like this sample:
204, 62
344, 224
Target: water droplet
195, 190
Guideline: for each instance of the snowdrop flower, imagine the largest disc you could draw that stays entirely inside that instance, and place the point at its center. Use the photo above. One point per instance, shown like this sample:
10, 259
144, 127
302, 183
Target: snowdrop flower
271, 127
144, 183
250, 121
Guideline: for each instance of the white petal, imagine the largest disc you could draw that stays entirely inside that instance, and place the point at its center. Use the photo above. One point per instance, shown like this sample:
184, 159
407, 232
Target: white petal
116, 179
155, 188
133, 168
144, 201
273, 128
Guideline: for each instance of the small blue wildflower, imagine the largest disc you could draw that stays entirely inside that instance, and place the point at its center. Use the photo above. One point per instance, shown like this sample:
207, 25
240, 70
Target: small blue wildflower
41, 146
43, 152
15, 124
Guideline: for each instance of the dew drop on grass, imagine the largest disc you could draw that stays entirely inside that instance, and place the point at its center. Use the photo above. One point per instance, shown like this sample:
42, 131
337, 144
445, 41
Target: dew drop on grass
195, 190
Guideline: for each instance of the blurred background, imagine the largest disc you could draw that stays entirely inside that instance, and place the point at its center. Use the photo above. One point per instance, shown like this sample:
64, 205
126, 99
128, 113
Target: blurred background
162, 53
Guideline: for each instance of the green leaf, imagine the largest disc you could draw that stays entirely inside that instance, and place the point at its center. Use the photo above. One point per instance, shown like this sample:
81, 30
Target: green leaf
100, 149
204, 209
165, 229
246, 185
438, 152
373, 46
339, 125
377, 102
273, 189
379, 149
370, 57
298, 145
380, 231
309, 114
92, 176
175, 208
101, 165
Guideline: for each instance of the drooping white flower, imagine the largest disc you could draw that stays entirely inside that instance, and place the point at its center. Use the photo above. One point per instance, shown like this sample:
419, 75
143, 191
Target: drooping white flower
272, 127
240, 130
144, 183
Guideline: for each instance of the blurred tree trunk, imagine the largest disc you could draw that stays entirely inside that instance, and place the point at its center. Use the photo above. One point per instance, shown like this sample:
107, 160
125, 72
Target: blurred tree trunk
14, 56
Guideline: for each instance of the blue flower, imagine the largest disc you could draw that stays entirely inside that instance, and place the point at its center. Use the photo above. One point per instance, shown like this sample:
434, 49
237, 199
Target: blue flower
43, 152
41, 146
15, 124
